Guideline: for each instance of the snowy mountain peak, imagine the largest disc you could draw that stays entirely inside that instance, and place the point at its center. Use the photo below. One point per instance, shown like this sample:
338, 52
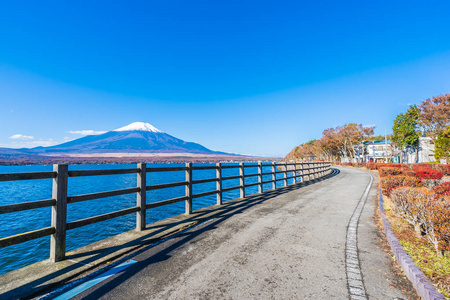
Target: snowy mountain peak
140, 126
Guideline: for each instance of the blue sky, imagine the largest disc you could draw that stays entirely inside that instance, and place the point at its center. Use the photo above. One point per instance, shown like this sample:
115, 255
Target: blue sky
249, 77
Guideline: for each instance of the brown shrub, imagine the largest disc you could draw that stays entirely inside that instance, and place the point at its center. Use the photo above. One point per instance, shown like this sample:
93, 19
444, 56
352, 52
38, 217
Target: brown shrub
408, 172
427, 213
410, 203
386, 171
442, 189
437, 223
389, 183
444, 169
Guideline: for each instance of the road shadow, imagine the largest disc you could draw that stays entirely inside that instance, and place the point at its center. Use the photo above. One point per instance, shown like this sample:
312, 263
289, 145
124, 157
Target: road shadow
146, 242
227, 210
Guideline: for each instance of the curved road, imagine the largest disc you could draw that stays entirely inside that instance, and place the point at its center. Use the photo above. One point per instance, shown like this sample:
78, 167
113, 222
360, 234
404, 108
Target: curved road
292, 246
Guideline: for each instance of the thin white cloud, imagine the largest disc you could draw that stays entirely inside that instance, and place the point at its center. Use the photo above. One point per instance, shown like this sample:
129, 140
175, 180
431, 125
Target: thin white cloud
86, 132
21, 137
29, 144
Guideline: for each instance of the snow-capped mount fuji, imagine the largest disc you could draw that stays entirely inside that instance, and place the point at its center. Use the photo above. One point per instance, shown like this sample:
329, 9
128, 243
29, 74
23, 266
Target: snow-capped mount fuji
137, 137
139, 126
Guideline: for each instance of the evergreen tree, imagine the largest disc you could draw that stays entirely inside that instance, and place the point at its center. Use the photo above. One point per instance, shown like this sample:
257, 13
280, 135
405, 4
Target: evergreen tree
443, 145
404, 129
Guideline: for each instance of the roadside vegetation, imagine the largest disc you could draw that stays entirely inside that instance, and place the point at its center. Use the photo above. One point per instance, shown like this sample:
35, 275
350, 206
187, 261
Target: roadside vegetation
431, 118
417, 196
417, 203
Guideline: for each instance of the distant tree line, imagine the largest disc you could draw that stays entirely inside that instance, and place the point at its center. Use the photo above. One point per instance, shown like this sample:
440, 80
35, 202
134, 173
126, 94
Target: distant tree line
335, 143
430, 118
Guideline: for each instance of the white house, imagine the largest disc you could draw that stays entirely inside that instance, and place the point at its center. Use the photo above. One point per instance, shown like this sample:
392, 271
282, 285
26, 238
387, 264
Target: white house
384, 151
425, 152
377, 151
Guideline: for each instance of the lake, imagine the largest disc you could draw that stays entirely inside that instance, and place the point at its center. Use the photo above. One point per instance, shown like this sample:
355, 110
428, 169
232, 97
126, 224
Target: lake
17, 256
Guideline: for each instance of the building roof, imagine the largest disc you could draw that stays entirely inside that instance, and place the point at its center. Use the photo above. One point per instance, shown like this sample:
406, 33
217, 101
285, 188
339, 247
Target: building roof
375, 142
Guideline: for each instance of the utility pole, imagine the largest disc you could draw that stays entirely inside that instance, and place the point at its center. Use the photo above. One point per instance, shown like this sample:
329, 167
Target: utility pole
373, 150
385, 146
345, 150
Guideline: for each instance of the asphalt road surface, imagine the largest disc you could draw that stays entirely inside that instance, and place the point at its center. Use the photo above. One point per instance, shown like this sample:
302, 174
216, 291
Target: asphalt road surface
291, 246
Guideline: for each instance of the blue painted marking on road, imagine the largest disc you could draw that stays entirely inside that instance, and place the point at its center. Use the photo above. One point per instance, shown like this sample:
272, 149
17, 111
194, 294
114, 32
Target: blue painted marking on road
88, 284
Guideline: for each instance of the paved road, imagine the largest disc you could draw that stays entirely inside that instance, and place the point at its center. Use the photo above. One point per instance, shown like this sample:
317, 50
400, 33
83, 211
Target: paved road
292, 246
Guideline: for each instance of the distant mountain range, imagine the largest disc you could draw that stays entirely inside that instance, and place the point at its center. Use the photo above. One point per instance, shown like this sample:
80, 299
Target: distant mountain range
135, 138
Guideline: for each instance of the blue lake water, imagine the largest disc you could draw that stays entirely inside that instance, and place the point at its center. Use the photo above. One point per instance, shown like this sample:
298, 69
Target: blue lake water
17, 256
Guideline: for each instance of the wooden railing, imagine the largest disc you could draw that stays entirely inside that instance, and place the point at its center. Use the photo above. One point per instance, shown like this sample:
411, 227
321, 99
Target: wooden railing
299, 172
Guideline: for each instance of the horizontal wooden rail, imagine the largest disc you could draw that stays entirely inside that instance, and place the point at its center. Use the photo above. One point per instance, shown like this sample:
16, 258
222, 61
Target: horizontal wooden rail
102, 172
268, 173
299, 172
92, 196
232, 177
231, 188
199, 195
26, 176
25, 237
165, 202
166, 185
204, 167
250, 175
204, 180
100, 218
268, 181
167, 169
26, 205
230, 167
251, 184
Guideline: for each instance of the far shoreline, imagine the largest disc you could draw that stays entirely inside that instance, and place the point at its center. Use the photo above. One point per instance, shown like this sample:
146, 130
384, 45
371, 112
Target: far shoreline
129, 158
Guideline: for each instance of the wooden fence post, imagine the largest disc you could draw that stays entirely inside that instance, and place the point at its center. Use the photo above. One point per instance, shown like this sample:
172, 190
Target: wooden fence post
274, 176
141, 198
59, 213
260, 187
219, 183
301, 172
285, 173
309, 171
295, 172
188, 201
241, 180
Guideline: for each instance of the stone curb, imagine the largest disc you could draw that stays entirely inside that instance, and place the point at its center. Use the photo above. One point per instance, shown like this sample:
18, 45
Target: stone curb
424, 288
